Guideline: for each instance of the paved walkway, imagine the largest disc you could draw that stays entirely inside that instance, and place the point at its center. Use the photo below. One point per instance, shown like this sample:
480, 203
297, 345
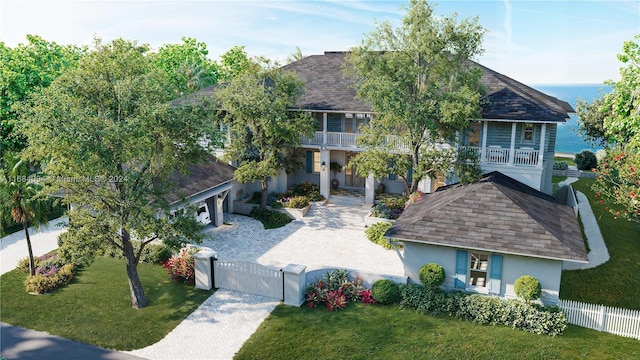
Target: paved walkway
598, 253
13, 247
329, 236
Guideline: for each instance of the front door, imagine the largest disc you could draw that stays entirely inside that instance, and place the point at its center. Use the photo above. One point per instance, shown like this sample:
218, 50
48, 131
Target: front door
351, 179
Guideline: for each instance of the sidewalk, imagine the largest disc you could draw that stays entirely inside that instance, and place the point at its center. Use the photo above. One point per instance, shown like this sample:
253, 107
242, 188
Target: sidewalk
598, 253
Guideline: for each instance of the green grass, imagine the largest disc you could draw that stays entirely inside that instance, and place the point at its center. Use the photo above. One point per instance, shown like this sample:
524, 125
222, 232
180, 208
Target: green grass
95, 308
616, 282
568, 160
385, 332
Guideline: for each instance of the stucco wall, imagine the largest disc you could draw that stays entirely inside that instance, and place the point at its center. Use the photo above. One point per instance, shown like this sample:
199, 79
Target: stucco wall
548, 272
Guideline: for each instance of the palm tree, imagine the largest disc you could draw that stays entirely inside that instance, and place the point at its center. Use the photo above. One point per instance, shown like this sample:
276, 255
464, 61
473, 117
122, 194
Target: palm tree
295, 56
24, 201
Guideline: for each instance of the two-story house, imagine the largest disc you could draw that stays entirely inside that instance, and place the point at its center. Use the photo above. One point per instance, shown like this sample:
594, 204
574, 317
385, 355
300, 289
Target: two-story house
515, 136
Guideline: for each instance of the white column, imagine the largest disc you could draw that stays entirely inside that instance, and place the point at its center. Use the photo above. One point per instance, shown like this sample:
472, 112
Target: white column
512, 148
294, 284
325, 172
543, 134
324, 128
483, 146
369, 190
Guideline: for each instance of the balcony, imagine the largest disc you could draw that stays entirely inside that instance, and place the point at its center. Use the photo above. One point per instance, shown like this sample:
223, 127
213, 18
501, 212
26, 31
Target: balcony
496, 155
347, 140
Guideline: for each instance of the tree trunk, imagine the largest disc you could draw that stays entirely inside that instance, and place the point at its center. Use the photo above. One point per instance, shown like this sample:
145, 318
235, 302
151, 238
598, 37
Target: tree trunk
415, 158
138, 298
265, 194
32, 267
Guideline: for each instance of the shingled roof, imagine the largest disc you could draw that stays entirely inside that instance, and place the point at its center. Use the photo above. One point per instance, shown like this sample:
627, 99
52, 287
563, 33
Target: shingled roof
199, 178
496, 214
328, 89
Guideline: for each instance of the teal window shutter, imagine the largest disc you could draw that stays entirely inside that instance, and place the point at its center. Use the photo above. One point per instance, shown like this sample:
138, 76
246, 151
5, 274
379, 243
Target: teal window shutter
309, 162
461, 269
392, 177
495, 274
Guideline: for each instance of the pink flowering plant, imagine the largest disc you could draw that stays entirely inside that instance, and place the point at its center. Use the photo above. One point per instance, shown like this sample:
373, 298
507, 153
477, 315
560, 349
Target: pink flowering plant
335, 290
181, 267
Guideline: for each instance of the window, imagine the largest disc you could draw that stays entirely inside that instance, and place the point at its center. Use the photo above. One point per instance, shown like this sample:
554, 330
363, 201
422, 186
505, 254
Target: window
528, 132
478, 268
316, 162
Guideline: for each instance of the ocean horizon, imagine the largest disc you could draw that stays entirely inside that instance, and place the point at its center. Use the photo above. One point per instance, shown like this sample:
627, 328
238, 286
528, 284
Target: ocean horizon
568, 140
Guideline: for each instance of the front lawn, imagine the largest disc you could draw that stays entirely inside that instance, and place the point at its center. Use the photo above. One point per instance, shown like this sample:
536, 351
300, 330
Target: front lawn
95, 307
616, 282
385, 332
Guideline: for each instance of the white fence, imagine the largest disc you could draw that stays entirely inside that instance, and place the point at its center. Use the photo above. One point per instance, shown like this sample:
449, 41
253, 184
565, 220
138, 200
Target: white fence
249, 277
623, 322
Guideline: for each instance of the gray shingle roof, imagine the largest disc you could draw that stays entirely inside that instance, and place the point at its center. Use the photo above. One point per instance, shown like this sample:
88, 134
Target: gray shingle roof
326, 88
495, 214
199, 177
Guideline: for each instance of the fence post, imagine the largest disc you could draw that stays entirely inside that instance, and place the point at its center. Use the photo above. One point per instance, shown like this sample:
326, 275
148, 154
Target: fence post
203, 260
294, 283
601, 322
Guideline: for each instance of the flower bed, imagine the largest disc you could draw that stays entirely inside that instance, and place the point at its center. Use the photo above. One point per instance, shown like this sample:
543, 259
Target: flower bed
335, 290
181, 267
52, 272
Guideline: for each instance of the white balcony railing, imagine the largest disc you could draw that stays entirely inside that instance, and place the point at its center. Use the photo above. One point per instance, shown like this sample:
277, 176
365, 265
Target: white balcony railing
501, 156
342, 139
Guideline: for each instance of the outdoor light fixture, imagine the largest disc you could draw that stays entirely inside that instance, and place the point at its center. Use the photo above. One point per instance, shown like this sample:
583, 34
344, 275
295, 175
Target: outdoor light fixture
324, 166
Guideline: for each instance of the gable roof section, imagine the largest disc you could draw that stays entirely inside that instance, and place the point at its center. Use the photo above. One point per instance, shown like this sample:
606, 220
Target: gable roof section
199, 178
326, 88
495, 214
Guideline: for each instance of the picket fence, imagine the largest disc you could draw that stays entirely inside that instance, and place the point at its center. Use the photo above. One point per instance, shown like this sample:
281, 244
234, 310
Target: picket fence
623, 322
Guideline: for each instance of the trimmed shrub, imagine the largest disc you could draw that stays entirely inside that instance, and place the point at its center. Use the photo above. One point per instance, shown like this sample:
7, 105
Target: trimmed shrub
151, 254
527, 288
23, 264
336, 290
49, 281
375, 234
431, 274
308, 189
586, 160
297, 202
560, 165
181, 267
385, 291
271, 219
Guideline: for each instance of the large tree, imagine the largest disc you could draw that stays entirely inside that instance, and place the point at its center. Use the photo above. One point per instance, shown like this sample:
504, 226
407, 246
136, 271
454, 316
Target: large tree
110, 137
257, 106
187, 65
26, 69
419, 81
615, 120
22, 200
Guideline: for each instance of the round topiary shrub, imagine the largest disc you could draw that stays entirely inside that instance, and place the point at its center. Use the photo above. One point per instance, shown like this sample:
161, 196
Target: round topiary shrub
527, 287
586, 160
385, 292
431, 274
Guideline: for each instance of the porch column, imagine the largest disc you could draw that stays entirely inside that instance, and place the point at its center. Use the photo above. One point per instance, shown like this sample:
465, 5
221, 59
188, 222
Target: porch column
219, 214
543, 134
369, 189
483, 145
325, 172
324, 129
512, 148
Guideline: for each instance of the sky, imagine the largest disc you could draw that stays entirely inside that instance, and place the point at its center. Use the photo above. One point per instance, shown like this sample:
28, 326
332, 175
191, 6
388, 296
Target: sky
535, 42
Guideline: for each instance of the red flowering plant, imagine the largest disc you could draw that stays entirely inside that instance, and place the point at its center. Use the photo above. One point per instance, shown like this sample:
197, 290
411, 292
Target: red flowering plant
181, 267
413, 198
335, 290
617, 184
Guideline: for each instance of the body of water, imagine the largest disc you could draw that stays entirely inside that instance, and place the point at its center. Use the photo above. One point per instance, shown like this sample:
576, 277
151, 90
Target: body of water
568, 140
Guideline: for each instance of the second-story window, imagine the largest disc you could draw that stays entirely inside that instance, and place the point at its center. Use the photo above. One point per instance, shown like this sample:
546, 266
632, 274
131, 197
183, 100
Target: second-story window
528, 132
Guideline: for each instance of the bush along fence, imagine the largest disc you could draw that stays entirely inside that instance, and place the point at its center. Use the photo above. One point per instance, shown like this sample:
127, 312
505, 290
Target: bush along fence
623, 322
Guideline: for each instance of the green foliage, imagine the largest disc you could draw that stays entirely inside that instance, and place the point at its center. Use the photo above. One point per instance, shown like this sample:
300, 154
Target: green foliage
109, 126
23, 264
256, 107
586, 160
618, 184
41, 284
385, 292
187, 65
151, 254
335, 290
181, 267
270, 219
527, 288
483, 309
560, 165
308, 189
431, 275
235, 62
375, 234
26, 69
297, 202
418, 81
